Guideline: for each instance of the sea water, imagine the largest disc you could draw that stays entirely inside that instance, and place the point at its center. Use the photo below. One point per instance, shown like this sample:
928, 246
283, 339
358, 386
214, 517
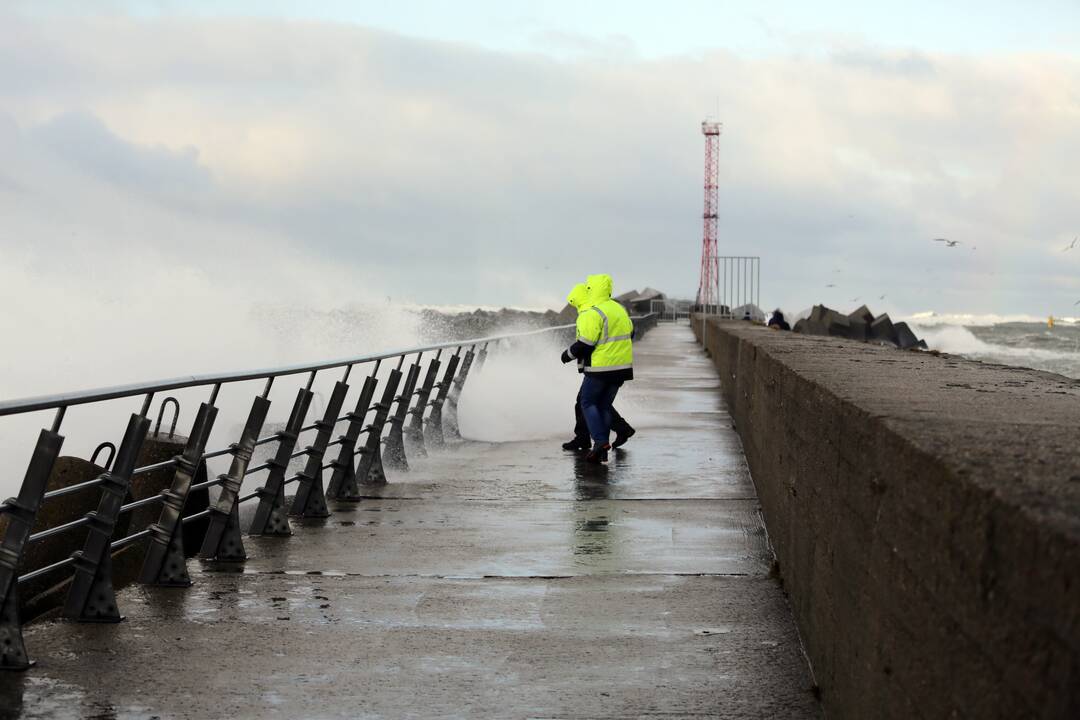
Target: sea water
1020, 341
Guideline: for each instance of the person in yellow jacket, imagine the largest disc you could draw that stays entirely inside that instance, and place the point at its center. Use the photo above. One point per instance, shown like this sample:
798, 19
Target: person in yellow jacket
605, 337
622, 429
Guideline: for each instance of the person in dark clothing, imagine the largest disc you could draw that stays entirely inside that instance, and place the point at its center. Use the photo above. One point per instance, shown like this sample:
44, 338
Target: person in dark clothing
777, 320
582, 441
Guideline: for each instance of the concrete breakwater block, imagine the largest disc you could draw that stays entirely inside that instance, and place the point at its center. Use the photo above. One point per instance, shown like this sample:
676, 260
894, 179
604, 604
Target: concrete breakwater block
905, 338
882, 331
859, 325
807, 326
862, 314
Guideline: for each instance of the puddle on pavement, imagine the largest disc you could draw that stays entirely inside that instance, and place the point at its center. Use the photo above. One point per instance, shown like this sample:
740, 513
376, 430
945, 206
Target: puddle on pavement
26, 695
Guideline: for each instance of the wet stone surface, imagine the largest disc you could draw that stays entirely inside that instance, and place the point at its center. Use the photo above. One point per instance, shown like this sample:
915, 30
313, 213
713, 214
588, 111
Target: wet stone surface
493, 580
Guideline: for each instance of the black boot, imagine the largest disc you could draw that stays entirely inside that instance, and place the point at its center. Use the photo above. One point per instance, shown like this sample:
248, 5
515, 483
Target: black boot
598, 454
577, 444
621, 438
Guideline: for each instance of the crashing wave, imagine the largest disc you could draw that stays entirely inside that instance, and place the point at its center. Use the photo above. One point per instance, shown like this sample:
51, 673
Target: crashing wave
930, 317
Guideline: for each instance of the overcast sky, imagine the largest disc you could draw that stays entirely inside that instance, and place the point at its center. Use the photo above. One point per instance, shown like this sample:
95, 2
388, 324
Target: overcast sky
495, 152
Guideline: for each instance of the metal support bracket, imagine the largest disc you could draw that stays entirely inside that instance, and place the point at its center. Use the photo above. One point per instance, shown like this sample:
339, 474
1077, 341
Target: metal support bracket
310, 500
343, 485
223, 540
433, 432
91, 597
395, 442
12, 648
451, 417
481, 357
370, 468
21, 513
415, 430
165, 564
271, 517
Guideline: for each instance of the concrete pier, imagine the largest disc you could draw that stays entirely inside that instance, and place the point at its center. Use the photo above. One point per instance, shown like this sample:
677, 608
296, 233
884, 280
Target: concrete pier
925, 511
493, 580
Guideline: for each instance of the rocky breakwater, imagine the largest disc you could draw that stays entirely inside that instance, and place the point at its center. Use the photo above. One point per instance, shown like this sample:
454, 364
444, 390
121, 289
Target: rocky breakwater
443, 326
859, 325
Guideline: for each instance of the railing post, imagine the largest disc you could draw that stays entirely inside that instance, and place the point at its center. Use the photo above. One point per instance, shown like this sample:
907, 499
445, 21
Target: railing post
223, 540
21, 513
455, 394
165, 563
395, 443
310, 500
415, 431
433, 432
370, 468
91, 597
343, 485
481, 357
270, 516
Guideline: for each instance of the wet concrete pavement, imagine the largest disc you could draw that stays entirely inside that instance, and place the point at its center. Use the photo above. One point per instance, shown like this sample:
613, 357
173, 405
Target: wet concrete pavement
493, 580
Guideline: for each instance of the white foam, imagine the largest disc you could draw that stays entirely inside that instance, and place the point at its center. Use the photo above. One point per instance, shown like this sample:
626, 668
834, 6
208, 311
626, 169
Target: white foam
959, 340
931, 318
526, 394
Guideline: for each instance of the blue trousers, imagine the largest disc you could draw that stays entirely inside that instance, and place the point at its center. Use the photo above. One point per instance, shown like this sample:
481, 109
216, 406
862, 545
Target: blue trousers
597, 397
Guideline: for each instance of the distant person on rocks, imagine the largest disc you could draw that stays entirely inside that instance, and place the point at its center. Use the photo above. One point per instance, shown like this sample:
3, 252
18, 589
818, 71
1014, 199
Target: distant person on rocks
777, 320
621, 428
605, 337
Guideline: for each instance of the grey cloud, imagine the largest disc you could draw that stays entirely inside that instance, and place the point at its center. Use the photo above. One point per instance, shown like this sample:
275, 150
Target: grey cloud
81, 139
435, 168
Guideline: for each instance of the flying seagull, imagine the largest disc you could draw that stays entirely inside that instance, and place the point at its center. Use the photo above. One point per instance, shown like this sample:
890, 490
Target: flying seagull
949, 243
1071, 245
830, 285
1076, 303
854, 299
881, 298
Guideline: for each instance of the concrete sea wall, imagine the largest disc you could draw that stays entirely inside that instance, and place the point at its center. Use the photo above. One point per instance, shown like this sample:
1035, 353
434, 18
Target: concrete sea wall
925, 514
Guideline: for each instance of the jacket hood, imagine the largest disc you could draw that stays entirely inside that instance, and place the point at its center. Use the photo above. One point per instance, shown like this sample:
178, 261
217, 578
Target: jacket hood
578, 296
598, 288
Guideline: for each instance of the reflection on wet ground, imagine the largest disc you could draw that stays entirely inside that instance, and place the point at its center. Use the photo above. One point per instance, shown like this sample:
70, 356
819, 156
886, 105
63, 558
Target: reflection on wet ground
493, 580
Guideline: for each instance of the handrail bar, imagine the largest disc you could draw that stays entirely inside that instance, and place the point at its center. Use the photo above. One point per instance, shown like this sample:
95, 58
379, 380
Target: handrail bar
58, 529
82, 397
73, 488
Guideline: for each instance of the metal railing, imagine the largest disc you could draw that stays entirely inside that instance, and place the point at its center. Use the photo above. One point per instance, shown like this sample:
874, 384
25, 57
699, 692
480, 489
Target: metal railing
424, 411
668, 310
737, 290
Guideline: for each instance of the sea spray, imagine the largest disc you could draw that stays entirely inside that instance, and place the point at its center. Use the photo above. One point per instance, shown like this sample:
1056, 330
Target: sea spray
210, 338
527, 393
523, 393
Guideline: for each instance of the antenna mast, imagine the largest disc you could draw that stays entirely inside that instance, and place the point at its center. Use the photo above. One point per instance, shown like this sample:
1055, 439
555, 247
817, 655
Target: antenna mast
710, 272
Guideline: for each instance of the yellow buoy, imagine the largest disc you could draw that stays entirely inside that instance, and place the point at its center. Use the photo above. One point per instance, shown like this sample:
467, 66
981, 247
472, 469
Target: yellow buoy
1050, 322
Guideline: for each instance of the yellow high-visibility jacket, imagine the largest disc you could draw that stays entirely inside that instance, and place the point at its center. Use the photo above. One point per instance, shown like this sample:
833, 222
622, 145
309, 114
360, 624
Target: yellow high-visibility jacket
605, 326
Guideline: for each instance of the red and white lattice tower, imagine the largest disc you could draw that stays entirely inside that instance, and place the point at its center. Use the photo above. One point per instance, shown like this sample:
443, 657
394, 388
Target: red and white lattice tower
708, 289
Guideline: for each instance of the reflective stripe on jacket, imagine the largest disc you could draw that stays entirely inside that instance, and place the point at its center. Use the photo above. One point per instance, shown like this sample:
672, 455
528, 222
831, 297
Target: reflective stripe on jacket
607, 328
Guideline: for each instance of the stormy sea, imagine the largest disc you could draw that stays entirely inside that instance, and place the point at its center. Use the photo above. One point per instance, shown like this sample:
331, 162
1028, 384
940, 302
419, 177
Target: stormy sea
1022, 341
